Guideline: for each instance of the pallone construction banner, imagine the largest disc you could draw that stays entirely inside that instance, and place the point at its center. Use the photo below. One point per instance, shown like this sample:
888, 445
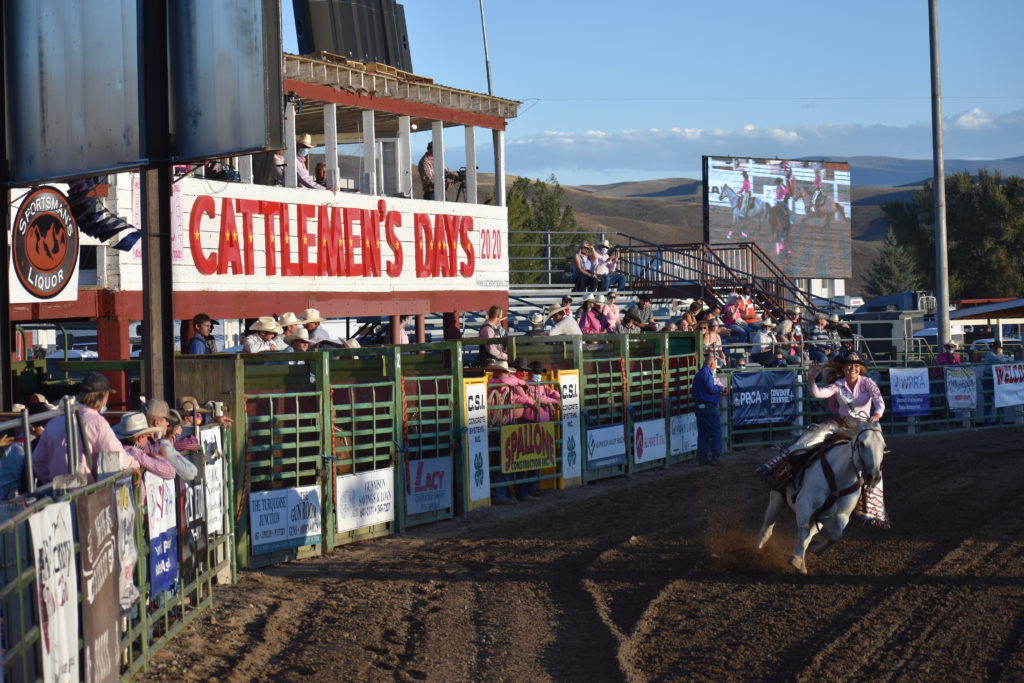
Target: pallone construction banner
527, 447
767, 397
1009, 384
57, 591
961, 388
909, 388
96, 525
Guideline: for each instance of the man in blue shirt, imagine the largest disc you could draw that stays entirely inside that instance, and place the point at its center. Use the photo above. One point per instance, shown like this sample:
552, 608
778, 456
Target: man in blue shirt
202, 335
706, 392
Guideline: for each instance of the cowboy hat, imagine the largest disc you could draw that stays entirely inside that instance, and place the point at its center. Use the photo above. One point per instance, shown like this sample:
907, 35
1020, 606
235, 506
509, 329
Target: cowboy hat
265, 323
287, 319
604, 243
834, 318
537, 319
311, 315
133, 424
521, 364
157, 407
39, 398
554, 309
188, 404
298, 335
854, 358
588, 297
767, 323
601, 299
496, 366
304, 140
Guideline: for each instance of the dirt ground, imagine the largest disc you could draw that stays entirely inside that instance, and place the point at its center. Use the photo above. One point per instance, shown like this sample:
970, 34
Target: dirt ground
654, 577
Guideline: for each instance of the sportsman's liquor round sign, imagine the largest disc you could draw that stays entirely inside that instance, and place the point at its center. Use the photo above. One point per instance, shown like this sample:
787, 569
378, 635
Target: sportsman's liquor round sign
44, 248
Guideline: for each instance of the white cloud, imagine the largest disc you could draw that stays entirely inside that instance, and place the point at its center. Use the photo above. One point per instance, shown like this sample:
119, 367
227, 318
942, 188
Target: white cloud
973, 134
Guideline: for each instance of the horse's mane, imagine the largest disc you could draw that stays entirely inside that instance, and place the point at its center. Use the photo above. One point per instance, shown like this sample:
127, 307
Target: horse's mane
833, 371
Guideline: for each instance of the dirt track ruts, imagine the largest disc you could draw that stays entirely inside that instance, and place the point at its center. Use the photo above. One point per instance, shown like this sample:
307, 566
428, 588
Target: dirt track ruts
654, 577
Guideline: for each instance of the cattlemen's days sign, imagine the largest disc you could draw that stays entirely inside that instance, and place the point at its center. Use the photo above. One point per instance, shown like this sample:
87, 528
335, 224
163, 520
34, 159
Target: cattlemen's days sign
1008, 384
258, 238
526, 447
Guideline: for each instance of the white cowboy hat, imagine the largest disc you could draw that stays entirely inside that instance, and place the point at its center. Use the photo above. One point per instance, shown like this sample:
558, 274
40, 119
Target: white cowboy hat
537, 318
496, 366
601, 299
265, 323
299, 334
834, 318
604, 243
287, 319
304, 140
767, 323
588, 297
311, 315
133, 424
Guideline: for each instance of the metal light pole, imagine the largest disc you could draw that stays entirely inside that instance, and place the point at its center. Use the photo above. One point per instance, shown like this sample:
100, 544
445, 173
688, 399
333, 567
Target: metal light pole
487, 56
938, 185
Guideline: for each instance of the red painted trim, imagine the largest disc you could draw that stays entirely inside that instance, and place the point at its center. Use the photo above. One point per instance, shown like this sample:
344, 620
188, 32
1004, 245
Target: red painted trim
325, 93
96, 303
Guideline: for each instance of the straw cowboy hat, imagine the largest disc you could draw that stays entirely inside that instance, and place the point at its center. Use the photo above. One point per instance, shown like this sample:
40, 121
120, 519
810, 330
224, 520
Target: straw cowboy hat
604, 243
304, 140
555, 308
188, 404
265, 323
601, 299
299, 334
287, 319
311, 315
133, 424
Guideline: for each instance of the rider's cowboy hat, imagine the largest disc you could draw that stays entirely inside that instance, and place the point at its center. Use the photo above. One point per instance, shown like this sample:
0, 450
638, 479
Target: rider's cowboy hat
854, 358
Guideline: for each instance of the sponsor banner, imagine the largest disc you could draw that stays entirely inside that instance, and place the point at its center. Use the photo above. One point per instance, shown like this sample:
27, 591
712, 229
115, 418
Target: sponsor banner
163, 533
127, 552
961, 388
1009, 384
43, 262
56, 590
269, 239
96, 527
682, 434
364, 499
213, 474
572, 465
478, 473
428, 485
767, 397
649, 441
909, 389
285, 518
606, 446
527, 447
192, 525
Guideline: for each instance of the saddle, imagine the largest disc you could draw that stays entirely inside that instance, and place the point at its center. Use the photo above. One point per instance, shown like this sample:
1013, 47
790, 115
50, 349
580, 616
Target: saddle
791, 469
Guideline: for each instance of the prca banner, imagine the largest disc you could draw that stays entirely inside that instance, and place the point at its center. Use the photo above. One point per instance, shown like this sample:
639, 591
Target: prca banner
767, 397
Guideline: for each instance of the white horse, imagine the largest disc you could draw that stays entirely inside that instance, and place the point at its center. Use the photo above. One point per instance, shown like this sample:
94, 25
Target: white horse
756, 206
828, 493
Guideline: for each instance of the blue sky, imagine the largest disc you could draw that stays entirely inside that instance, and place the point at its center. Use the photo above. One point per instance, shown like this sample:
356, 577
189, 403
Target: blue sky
616, 91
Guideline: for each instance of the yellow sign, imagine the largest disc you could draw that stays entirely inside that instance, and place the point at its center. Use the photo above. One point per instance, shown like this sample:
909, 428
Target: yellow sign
526, 447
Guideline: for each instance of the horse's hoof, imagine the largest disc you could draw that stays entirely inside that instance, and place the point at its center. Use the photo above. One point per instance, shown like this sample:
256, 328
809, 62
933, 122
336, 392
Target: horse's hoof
798, 564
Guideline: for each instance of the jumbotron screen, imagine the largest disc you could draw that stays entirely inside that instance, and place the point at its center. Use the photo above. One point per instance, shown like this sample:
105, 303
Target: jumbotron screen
798, 212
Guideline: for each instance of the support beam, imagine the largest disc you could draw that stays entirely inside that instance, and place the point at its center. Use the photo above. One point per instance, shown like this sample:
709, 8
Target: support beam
471, 191
421, 328
331, 145
245, 168
291, 174
437, 137
114, 343
499, 167
403, 156
369, 185
396, 329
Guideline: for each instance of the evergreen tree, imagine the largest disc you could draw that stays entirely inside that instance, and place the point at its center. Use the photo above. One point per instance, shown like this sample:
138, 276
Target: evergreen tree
985, 234
536, 207
895, 270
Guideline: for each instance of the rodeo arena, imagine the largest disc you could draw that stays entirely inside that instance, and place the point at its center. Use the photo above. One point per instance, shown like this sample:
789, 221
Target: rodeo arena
273, 408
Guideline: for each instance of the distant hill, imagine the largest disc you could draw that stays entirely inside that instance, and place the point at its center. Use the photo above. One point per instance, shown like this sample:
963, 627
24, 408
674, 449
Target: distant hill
895, 172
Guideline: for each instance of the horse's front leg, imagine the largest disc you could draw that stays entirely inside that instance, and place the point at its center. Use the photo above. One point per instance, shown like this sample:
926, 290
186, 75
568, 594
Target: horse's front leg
775, 503
805, 531
834, 526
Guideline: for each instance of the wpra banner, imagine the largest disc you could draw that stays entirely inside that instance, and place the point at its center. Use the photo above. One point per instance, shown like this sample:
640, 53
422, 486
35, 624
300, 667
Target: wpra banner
767, 397
1009, 384
909, 388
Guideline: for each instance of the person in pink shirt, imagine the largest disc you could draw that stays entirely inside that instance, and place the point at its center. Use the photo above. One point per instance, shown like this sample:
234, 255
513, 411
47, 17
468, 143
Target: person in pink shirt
135, 432
505, 398
592, 320
611, 311
50, 456
746, 190
732, 316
